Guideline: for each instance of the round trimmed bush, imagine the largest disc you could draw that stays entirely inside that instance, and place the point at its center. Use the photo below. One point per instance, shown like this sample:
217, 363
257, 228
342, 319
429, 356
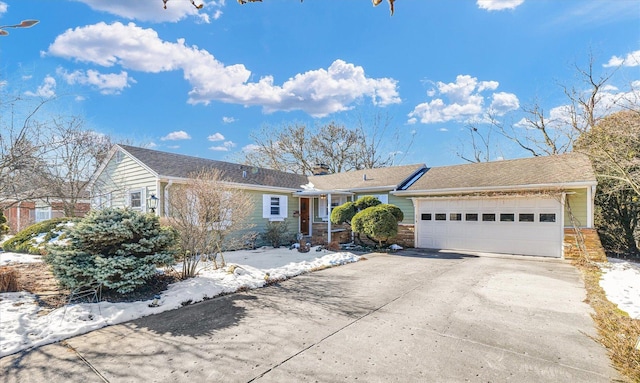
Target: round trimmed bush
378, 222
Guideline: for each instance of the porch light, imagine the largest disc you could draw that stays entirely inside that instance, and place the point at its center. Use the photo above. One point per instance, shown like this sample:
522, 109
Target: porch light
23, 24
152, 203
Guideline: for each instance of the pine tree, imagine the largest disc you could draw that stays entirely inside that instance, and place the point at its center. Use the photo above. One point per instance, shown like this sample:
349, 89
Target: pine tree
119, 248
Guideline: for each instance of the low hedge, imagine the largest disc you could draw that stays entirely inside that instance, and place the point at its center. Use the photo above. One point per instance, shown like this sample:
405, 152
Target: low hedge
25, 240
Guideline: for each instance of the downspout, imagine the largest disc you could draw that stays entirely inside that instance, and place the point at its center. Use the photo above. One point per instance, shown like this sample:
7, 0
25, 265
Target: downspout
329, 218
563, 201
158, 209
591, 192
165, 201
19, 217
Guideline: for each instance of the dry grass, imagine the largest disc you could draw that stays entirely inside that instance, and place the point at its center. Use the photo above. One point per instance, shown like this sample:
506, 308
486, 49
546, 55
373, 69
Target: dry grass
617, 331
8, 280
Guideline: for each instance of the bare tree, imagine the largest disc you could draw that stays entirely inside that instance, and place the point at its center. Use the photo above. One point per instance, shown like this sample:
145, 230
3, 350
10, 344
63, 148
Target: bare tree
23, 148
296, 148
210, 216
540, 132
73, 158
200, 6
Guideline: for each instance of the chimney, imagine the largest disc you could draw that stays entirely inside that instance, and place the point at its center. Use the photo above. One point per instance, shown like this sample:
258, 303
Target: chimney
320, 169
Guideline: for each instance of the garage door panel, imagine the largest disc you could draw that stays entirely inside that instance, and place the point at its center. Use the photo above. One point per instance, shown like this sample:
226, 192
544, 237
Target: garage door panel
530, 238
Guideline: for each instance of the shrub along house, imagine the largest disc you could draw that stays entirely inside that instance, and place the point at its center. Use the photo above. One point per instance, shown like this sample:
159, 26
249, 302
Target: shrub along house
518, 206
134, 177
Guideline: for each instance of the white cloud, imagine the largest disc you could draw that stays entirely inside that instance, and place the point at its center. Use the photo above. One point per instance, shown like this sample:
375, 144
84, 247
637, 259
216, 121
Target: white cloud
503, 102
632, 59
498, 5
151, 145
464, 101
3, 7
46, 90
443, 130
250, 148
153, 10
225, 147
228, 120
216, 137
109, 83
317, 92
177, 135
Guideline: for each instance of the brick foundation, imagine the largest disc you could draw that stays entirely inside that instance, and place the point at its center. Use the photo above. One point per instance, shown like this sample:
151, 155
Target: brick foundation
592, 243
404, 238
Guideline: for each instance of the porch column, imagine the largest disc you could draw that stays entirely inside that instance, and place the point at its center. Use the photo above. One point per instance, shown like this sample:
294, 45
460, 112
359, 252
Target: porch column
329, 218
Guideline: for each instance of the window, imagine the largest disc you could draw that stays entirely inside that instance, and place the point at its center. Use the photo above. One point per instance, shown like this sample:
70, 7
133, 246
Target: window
525, 217
43, 213
119, 156
384, 198
507, 217
471, 217
455, 217
135, 199
426, 217
274, 207
336, 200
488, 217
441, 217
547, 217
102, 201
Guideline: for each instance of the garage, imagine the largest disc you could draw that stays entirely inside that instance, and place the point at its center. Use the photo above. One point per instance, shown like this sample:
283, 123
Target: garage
531, 225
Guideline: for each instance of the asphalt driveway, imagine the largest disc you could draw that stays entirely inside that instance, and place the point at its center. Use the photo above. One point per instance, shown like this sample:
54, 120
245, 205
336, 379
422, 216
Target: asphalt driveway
407, 317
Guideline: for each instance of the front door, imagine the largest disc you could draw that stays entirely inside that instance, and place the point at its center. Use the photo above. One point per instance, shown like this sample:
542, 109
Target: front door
304, 216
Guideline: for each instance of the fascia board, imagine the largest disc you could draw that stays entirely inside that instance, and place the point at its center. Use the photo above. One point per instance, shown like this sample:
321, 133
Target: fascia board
568, 185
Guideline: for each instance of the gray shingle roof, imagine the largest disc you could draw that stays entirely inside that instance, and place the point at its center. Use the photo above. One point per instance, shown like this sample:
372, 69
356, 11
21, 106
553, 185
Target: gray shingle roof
181, 166
392, 176
557, 170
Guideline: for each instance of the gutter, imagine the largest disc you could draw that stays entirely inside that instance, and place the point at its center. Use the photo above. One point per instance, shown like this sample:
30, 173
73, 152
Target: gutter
469, 190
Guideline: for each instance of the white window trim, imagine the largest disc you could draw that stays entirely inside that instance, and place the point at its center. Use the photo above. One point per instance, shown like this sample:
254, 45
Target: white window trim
143, 199
40, 210
266, 207
384, 198
323, 207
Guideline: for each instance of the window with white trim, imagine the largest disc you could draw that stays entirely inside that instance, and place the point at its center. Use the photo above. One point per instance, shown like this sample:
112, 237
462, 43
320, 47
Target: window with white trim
102, 201
323, 204
136, 199
43, 213
274, 207
384, 198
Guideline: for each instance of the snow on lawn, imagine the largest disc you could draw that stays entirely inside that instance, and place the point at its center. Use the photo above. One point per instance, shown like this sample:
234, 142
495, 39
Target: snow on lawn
22, 326
621, 282
8, 258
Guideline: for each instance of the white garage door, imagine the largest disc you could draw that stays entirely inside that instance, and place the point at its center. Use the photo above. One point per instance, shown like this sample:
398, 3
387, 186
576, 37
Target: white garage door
528, 226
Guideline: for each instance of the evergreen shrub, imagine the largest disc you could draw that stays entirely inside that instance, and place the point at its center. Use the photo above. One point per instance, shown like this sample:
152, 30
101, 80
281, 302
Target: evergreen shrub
379, 222
118, 248
33, 238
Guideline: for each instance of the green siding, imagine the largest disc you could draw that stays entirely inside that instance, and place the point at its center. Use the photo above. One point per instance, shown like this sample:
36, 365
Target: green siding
120, 177
406, 205
577, 200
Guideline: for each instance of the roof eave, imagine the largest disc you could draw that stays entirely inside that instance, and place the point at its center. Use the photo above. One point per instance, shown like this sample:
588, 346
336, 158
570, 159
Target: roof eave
484, 189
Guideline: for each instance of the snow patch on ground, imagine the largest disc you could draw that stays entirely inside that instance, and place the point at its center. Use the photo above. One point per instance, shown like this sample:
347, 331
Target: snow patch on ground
22, 326
621, 282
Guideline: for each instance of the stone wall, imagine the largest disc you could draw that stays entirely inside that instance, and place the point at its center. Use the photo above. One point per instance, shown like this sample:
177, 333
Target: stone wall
342, 234
592, 243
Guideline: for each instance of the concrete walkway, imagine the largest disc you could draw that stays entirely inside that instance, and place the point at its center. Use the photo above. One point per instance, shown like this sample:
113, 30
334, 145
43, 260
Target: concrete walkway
411, 317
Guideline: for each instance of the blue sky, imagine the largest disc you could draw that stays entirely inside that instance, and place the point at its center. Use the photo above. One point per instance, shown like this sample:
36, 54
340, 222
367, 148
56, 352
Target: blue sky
198, 82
